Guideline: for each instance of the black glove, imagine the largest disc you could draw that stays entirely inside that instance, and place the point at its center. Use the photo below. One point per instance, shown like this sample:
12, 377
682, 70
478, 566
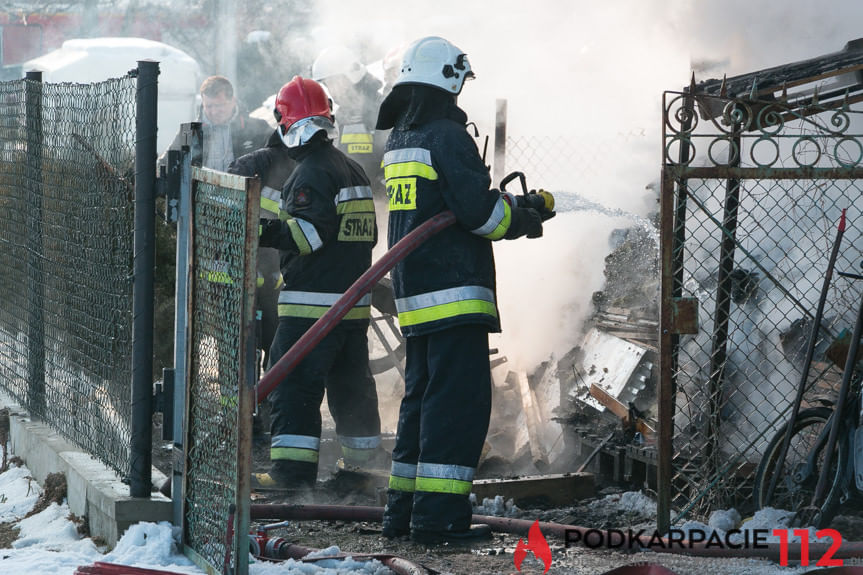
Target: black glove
524, 222
542, 201
268, 232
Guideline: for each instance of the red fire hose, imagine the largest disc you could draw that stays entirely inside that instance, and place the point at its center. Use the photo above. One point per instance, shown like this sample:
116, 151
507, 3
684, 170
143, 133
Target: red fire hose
848, 549
362, 286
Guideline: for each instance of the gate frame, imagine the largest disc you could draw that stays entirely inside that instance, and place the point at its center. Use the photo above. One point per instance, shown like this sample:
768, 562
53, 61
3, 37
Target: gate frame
678, 315
238, 530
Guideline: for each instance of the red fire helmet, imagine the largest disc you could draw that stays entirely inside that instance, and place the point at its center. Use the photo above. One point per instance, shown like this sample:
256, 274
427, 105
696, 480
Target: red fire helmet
302, 109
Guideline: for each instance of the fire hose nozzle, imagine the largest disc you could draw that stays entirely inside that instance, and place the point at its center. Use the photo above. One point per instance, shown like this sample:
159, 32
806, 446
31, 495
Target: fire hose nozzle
541, 201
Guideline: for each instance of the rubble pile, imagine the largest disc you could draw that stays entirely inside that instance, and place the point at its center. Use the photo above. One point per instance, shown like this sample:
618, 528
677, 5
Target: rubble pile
603, 391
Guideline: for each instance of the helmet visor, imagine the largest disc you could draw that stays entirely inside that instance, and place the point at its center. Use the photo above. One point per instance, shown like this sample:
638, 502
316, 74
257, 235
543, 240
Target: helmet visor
302, 131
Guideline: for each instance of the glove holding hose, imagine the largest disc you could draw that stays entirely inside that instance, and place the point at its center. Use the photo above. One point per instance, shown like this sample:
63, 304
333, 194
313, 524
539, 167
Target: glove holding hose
541, 201
529, 211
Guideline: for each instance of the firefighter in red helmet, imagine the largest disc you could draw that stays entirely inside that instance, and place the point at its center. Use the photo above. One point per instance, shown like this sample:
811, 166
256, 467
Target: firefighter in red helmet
325, 234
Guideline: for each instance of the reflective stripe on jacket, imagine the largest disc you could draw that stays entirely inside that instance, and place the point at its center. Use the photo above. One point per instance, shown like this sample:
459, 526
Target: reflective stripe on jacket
327, 233
273, 165
450, 278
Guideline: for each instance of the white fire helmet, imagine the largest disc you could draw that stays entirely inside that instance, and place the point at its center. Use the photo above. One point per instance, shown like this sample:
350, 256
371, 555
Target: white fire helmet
435, 62
337, 60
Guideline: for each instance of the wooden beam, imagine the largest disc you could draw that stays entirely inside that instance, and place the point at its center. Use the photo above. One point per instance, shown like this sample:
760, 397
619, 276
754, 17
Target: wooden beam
532, 417
617, 408
555, 489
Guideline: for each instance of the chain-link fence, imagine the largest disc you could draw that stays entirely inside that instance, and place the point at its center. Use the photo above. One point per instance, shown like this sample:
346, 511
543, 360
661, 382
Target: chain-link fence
66, 237
224, 241
752, 194
577, 168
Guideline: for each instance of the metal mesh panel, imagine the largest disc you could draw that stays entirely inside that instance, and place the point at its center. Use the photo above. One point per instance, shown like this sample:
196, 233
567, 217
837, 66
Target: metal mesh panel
575, 167
13, 249
756, 194
66, 230
222, 281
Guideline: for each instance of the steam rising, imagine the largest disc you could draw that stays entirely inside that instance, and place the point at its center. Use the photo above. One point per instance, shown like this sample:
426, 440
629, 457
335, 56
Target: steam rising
592, 75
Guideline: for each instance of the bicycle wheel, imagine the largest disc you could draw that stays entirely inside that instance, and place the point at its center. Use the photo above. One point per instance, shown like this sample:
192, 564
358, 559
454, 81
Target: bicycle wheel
794, 487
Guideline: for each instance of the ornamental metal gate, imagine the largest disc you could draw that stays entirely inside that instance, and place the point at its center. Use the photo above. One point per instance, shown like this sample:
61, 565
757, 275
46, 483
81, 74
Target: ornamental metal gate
753, 187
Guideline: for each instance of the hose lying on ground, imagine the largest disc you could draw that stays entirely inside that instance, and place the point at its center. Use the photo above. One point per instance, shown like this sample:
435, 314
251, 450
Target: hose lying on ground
570, 533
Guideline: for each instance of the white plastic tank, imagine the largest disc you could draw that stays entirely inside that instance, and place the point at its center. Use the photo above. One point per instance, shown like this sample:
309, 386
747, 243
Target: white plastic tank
87, 60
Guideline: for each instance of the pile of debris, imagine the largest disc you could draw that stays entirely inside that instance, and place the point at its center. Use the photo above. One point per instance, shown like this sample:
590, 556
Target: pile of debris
600, 397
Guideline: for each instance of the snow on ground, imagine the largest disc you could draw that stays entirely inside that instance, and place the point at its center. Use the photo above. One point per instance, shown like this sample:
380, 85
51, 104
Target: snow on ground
19, 493
49, 542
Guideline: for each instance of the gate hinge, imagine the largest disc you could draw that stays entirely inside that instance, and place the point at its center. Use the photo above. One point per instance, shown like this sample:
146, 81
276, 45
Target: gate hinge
163, 402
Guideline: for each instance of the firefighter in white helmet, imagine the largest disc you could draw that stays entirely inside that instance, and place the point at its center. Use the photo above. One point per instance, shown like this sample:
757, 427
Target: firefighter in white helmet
356, 98
444, 293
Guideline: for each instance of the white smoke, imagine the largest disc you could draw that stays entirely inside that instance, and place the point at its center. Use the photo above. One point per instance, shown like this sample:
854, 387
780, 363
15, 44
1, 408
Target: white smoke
593, 73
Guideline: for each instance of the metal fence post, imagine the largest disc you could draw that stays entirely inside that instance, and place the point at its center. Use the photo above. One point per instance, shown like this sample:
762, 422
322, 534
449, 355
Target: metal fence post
499, 140
247, 377
181, 330
191, 144
36, 283
143, 291
722, 312
673, 227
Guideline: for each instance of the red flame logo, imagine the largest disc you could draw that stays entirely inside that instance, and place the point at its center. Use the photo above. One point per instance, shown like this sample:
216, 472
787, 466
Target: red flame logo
537, 544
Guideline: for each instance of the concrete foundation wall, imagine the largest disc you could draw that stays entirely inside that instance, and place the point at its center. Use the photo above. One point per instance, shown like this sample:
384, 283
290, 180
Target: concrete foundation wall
94, 490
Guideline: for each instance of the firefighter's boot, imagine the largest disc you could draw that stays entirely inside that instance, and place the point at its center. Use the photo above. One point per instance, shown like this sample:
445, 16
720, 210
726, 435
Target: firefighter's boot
287, 475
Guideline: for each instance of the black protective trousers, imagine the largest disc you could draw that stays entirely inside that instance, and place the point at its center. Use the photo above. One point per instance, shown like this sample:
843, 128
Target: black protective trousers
443, 421
339, 366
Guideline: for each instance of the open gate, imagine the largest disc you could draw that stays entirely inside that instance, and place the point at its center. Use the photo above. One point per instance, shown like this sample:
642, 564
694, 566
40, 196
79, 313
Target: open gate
756, 171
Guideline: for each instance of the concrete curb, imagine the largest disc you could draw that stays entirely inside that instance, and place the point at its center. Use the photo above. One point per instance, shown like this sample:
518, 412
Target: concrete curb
93, 490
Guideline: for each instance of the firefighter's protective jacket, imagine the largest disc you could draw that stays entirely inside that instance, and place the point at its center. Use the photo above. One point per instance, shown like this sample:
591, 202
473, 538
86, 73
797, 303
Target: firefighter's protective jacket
449, 280
358, 138
325, 233
274, 165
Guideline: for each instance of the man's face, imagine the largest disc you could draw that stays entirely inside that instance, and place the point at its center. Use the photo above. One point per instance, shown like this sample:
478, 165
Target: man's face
219, 108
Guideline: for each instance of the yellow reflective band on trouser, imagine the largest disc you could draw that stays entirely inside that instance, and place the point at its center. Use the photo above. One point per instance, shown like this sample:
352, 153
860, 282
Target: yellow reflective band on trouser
403, 476
293, 454
402, 483
437, 485
316, 311
444, 478
446, 310
409, 169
